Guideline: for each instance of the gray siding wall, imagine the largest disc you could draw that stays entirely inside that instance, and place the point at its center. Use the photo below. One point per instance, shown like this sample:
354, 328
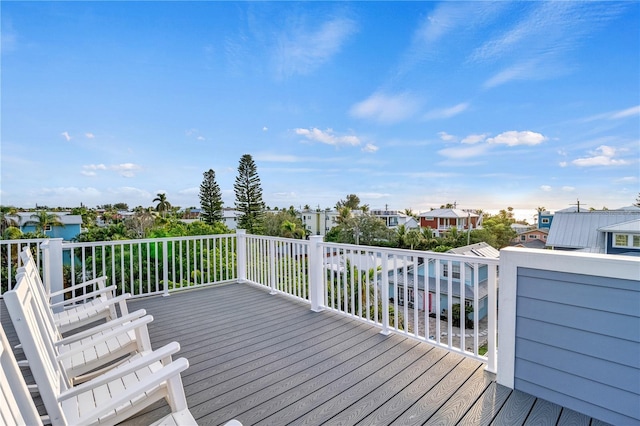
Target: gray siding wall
578, 342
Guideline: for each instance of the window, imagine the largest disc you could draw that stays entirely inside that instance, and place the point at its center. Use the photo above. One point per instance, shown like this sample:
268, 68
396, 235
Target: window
620, 240
456, 271
47, 227
533, 236
626, 240
523, 238
545, 220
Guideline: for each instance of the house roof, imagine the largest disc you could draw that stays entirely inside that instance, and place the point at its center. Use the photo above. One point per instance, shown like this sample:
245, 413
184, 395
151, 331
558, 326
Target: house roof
632, 227
582, 231
65, 218
479, 249
535, 244
448, 213
399, 279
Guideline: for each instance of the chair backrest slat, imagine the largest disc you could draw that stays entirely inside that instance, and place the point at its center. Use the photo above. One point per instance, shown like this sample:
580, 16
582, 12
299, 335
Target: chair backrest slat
37, 346
16, 405
42, 304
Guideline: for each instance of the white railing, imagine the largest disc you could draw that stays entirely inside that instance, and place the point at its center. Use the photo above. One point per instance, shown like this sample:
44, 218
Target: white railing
154, 266
281, 264
447, 300
381, 286
10, 261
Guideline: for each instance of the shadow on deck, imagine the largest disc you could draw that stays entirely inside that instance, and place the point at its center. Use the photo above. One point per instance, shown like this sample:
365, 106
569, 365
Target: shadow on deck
264, 359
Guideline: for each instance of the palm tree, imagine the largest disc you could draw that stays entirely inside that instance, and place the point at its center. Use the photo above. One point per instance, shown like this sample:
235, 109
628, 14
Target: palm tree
401, 234
6, 219
413, 238
344, 215
42, 220
163, 204
289, 229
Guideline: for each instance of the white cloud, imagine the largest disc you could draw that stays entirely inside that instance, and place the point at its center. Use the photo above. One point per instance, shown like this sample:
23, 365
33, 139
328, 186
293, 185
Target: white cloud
466, 151
615, 115
472, 139
562, 164
446, 136
601, 156
627, 179
66, 135
370, 148
386, 109
539, 40
546, 188
89, 135
568, 188
265, 129
327, 137
442, 113
515, 138
525, 70
302, 51
125, 169
70, 191
200, 138
629, 112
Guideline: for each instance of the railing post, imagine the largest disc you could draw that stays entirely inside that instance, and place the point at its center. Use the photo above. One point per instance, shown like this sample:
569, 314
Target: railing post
492, 321
272, 256
316, 267
241, 255
385, 295
52, 267
165, 267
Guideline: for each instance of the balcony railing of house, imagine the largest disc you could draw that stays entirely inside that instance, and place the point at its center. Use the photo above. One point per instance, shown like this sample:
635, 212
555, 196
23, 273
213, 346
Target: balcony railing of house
569, 322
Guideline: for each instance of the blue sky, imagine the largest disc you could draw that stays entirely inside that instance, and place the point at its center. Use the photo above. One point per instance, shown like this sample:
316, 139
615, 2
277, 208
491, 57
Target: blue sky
407, 104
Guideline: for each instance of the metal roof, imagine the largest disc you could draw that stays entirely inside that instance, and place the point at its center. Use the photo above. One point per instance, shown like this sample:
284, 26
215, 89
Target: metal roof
479, 249
448, 213
633, 226
574, 230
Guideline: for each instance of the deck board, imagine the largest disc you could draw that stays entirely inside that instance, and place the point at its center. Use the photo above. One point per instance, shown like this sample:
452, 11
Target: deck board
268, 359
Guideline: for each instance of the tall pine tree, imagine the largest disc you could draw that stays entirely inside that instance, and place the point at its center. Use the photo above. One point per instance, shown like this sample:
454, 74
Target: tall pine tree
249, 196
210, 199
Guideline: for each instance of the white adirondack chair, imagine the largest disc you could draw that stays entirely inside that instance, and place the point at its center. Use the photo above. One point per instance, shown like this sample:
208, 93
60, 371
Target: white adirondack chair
16, 406
77, 311
88, 353
106, 399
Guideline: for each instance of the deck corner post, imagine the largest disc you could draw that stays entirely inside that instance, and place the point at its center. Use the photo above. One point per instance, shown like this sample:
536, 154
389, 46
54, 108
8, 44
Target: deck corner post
52, 267
506, 322
316, 282
492, 321
241, 255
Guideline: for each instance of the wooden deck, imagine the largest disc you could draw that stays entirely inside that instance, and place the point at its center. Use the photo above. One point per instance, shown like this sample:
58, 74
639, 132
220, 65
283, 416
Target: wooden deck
265, 359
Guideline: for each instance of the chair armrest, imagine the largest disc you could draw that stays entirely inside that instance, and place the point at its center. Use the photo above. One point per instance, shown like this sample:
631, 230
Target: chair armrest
157, 378
117, 331
124, 369
102, 327
107, 302
109, 291
81, 285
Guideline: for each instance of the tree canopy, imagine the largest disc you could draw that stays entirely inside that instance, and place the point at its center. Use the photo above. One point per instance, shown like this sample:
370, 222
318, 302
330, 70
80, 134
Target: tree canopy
249, 196
210, 199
